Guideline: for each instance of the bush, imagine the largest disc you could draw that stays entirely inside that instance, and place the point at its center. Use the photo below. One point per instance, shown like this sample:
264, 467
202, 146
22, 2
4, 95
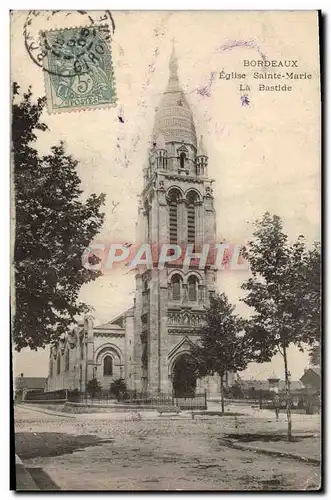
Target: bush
119, 389
93, 387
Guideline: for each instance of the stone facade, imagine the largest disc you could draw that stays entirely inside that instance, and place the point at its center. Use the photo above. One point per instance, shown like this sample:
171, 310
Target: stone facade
176, 206
103, 352
146, 343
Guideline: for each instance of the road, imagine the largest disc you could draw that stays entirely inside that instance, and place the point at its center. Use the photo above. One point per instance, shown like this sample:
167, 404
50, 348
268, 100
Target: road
103, 452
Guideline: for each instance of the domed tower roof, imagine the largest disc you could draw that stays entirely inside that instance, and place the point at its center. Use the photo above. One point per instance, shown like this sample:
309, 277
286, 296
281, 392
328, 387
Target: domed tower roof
174, 119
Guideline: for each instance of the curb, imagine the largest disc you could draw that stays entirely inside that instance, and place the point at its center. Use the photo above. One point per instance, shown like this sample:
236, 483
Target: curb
267, 451
40, 409
24, 481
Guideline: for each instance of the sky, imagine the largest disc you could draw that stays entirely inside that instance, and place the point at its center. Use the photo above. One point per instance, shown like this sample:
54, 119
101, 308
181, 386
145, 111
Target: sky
263, 157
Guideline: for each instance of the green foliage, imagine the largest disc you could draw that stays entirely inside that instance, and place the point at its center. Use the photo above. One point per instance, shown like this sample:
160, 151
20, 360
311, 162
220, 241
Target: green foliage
315, 355
222, 347
284, 290
252, 393
53, 226
285, 293
236, 391
93, 387
118, 388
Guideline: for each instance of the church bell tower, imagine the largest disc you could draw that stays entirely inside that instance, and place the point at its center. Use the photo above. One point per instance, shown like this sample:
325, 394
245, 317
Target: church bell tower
176, 207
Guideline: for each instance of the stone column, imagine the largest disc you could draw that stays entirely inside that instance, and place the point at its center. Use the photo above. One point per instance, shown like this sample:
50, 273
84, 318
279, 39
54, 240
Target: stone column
141, 224
153, 219
154, 336
164, 347
137, 347
129, 350
89, 349
182, 222
209, 217
201, 294
163, 215
199, 224
184, 294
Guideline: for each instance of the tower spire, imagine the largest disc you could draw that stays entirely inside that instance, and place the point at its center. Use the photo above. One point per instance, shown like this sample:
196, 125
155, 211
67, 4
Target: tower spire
174, 104
173, 63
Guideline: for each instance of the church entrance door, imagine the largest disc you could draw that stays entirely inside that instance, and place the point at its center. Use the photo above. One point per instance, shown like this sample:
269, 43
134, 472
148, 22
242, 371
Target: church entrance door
184, 378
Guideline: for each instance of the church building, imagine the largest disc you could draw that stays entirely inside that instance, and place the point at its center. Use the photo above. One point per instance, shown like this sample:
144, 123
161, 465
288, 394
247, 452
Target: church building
149, 345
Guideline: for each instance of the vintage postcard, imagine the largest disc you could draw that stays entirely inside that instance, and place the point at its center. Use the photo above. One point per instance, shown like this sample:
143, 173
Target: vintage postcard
166, 228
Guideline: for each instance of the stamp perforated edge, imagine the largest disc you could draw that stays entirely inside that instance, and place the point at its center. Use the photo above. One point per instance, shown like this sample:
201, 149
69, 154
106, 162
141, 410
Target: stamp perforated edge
78, 109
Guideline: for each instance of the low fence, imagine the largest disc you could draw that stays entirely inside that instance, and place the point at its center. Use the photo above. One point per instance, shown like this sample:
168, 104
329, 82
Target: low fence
196, 402
185, 402
101, 398
189, 402
52, 396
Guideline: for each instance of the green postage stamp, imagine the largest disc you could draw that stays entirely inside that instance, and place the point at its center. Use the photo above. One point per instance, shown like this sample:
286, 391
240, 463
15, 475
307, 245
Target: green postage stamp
78, 69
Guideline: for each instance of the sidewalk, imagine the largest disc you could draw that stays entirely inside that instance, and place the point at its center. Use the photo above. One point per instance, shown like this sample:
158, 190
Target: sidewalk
251, 418
24, 481
116, 415
47, 411
257, 413
308, 450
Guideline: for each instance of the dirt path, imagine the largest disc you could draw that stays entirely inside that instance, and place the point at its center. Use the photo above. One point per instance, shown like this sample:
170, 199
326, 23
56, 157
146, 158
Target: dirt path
159, 454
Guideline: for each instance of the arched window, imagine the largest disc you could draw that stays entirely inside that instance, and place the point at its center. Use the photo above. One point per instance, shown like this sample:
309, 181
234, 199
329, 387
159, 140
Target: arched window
191, 216
82, 349
174, 197
176, 285
182, 157
192, 288
107, 365
66, 361
58, 366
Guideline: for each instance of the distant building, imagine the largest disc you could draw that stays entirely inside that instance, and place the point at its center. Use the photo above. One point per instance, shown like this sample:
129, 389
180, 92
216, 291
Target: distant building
26, 384
311, 379
264, 385
274, 383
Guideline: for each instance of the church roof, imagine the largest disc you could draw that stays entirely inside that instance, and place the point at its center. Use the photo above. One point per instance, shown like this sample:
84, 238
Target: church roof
109, 325
265, 386
116, 323
174, 118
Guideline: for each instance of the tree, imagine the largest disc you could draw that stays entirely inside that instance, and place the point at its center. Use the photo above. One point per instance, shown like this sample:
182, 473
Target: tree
315, 355
284, 292
236, 391
221, 347
53, 226
313, 301
118, 388
93, 387
252, 393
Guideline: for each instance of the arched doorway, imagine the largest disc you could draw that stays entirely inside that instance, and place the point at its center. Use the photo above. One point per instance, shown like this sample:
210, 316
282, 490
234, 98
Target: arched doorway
184, 379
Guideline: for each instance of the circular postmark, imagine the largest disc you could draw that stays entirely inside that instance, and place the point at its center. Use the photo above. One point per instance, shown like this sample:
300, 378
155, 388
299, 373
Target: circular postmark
72, 52
52, 35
